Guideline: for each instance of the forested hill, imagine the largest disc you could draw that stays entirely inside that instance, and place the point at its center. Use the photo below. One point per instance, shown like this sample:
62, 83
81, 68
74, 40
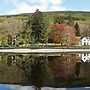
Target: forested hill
75, 13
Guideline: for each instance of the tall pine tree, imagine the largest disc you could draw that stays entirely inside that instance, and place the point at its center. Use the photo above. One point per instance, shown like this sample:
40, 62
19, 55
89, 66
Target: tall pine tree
77, 30
38, 27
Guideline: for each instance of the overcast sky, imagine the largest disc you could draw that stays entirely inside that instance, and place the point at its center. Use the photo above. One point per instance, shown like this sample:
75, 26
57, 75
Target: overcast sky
8, 7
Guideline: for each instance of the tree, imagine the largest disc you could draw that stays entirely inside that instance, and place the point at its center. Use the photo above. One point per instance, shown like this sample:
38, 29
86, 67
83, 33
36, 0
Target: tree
40, 73
63, 33
59, 19
12, 27
77, 30
70, 20
26, 34
9, 39
4, 41
38, 27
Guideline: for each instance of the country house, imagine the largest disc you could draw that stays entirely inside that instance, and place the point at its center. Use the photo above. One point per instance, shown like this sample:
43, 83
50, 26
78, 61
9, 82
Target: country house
85, 41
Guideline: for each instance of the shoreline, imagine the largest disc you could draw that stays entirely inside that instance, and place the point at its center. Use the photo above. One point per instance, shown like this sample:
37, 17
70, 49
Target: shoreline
25, 50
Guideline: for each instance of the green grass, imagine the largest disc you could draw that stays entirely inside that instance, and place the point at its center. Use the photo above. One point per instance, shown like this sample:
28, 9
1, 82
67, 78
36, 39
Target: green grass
48, 45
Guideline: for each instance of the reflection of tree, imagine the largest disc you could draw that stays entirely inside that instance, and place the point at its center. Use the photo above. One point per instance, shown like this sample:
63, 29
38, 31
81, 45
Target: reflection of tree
28, 69
63, 66
36, 70
9, 72
40, 73
58, 67
3, 58
77, 71
85, 70
11, 60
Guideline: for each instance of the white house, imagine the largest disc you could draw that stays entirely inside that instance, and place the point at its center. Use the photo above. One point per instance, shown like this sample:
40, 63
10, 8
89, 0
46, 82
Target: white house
85, 41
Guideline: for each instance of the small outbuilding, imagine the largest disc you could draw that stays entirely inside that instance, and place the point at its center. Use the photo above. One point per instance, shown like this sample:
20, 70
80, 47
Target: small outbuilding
85, 41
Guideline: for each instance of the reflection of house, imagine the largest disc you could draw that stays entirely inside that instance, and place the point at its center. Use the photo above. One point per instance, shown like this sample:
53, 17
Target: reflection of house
85, 57
85, 41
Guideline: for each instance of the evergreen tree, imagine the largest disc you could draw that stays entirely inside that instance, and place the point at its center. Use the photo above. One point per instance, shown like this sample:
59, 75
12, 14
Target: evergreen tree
38, 27
70, 20
59, 19
26, 34
9, 39
77, 30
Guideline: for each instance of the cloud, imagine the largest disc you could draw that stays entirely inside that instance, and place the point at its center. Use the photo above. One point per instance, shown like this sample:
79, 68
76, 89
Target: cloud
57, 8
13, 2
50, 88
56, 1
22, 8
28, 6
19, 87
10, 1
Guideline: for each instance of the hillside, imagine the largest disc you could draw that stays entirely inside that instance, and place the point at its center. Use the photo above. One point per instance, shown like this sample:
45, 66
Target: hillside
14, 24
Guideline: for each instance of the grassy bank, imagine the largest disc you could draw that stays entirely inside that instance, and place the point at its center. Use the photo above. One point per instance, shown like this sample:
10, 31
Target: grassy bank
49, 45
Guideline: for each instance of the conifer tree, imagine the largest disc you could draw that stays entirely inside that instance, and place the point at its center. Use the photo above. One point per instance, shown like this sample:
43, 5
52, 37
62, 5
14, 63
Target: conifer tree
77, 30
70, 20
38, 27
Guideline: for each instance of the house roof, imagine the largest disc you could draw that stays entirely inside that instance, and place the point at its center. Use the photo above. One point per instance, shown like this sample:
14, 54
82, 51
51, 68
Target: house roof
86, 38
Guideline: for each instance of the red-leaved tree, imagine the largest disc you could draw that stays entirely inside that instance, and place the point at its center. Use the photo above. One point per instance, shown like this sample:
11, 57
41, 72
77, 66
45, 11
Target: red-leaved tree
64, 34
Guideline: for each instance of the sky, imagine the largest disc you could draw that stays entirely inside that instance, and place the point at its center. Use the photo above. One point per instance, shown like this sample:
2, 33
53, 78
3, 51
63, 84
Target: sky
11, 7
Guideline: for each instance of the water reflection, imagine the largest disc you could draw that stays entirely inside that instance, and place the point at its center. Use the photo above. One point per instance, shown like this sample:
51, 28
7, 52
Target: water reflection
19, 87
85, 57
53, 70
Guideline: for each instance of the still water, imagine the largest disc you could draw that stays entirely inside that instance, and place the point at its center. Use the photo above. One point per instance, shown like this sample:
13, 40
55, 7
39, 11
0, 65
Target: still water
34, 71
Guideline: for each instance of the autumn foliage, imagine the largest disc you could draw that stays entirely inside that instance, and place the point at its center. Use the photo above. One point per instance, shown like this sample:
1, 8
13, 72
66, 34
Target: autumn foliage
64, 34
